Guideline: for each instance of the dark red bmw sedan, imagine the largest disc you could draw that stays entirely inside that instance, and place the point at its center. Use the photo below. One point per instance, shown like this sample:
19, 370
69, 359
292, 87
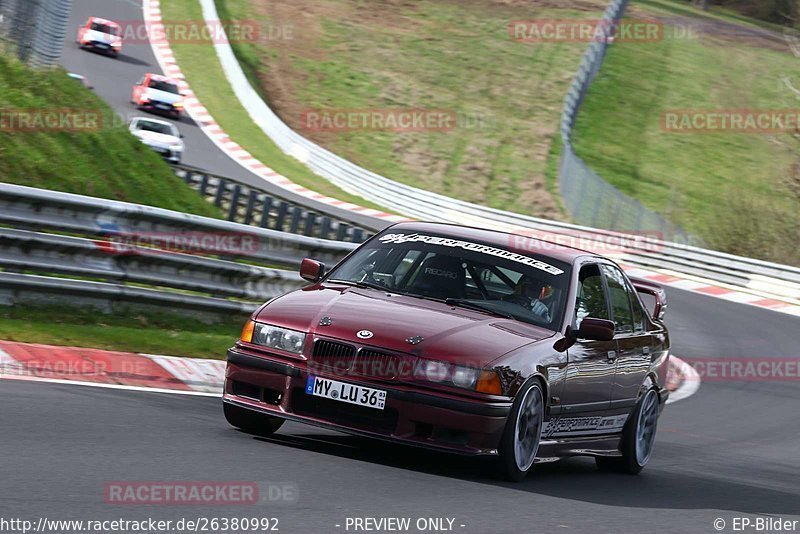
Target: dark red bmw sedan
457, 339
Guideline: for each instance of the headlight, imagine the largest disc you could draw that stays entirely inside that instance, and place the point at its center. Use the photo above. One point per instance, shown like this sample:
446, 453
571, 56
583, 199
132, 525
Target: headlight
177, 147
465, 377
445, 373
178, 104
274, 337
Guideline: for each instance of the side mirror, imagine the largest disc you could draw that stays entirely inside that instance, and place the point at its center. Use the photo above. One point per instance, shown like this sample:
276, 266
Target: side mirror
596, 329
312, 270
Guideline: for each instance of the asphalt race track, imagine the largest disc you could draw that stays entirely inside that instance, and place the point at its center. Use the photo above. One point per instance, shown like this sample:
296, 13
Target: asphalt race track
731, 450
113, 80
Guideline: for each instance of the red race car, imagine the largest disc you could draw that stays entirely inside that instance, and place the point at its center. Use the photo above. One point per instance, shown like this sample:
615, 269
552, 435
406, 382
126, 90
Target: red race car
101, 35
456, 339
158, 94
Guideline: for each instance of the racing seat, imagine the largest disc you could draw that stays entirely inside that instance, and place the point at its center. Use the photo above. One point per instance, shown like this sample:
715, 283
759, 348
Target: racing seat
440, 277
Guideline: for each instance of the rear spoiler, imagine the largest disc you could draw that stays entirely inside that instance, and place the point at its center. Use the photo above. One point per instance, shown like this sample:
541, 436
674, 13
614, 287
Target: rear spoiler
656, 291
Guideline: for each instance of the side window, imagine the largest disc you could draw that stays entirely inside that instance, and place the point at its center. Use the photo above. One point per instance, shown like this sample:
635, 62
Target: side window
591, 295
620, 297
638, 311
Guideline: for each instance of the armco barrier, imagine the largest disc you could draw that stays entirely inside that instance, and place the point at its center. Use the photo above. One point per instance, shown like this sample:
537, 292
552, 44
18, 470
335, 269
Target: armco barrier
589, 199
409, 201
111, 253
252, 206
674, 263
36, 28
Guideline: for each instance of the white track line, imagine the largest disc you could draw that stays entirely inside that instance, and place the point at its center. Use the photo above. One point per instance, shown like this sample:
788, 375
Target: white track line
690, 381
109, 386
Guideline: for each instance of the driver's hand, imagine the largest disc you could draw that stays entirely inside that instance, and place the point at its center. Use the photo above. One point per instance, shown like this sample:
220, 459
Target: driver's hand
538, 307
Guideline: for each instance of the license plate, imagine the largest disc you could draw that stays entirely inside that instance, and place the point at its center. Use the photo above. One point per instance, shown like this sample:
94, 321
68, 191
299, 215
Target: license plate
344, 392
162, 106
101, 45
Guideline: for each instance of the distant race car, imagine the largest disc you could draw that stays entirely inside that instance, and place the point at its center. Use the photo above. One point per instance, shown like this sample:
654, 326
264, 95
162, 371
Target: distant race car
455, 339
101, 35
158, 94
162, 136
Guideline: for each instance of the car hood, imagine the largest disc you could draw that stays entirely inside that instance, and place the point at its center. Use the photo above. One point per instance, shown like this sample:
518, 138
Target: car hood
163, 96
94, 35
157, 139
455, 335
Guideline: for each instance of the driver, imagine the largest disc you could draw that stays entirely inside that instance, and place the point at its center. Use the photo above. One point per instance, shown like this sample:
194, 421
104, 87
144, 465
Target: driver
529, 293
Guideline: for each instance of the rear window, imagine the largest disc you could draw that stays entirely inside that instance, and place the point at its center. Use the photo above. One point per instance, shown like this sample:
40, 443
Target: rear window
104, 28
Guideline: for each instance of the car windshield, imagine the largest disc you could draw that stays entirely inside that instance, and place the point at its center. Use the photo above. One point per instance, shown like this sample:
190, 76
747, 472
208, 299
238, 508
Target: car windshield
491, 279
163, 86
157, 127
104, 28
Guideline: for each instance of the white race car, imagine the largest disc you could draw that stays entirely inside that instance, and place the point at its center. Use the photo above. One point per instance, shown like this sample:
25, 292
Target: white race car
160, 135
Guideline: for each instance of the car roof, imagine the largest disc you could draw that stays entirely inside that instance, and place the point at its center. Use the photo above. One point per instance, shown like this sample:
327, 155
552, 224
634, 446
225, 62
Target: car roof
151, 119
161, 78
520, 242
103, 21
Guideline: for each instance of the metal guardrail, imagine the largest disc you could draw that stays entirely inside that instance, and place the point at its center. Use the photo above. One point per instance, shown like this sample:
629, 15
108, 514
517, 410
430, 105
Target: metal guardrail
589, 199
252, 206
677, 255
404, 199
109, 254
37, 28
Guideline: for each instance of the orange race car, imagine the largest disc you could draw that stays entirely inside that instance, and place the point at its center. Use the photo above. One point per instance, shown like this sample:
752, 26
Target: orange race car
158, 94
101, 35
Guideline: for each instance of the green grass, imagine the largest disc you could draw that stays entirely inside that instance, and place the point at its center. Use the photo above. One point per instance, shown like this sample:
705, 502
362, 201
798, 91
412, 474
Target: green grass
109, 163
426, 54
739, 192
151, 333
199, 63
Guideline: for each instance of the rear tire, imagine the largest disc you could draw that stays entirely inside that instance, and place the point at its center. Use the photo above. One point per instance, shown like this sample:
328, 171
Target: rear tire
638, 438
251, 422
520, 441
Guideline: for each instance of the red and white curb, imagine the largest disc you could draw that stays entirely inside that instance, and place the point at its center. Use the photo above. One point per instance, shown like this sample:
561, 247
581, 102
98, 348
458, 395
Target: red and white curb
170, 374
166, 60
111, 369
740, 295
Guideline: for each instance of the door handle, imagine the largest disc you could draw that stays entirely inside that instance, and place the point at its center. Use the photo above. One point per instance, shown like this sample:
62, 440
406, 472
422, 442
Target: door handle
612, 355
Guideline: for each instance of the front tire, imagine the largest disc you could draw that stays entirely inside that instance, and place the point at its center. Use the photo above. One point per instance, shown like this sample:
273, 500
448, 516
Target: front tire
251, 422
638, 438
520, 441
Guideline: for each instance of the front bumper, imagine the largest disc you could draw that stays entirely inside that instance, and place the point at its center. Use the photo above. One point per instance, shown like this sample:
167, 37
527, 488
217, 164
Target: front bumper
173, 156
161, 108
411, 416
101, 47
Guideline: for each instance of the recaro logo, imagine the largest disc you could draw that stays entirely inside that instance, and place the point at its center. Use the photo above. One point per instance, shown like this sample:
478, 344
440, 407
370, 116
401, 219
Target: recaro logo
441, 272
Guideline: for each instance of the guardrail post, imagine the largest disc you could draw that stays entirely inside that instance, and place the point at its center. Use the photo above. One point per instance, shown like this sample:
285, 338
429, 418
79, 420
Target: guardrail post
220, 191
233, 210
325, 227
265, 209
311, 221
341, 233
252, 198
204, 185
297, 213
358, 235
283, 207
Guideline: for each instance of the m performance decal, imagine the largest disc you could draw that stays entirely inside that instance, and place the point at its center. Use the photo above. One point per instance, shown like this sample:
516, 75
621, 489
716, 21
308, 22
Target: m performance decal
473, 247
